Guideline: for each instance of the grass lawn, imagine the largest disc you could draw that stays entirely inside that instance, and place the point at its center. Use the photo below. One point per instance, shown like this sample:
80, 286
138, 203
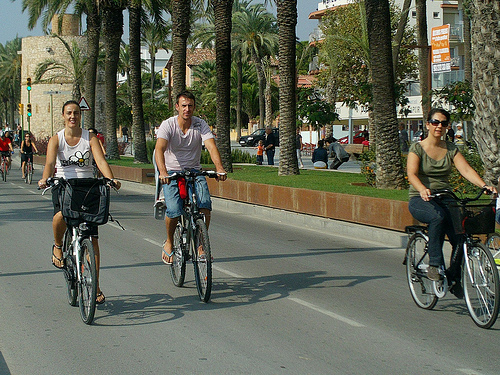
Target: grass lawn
336, 182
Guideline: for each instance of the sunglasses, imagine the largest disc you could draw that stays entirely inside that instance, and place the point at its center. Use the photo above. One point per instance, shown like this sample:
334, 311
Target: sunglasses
436, 122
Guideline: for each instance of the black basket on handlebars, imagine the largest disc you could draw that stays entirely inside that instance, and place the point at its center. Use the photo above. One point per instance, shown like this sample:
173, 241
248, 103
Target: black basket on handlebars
474, 218
84, 199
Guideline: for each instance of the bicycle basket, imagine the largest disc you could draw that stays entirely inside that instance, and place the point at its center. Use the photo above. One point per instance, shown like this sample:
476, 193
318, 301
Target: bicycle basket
84, 200
475, 218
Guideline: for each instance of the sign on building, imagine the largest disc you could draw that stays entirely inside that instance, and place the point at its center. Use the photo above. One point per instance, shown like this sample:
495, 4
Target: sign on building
440, 43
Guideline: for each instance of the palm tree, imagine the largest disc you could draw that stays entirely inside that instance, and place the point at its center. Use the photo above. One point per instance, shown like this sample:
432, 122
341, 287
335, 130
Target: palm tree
10, 77
390, 174
423, 55
155, 36
135, 82
222, 15
287, 20
52, 70
257, 30
112, 15
485, 19
180, 15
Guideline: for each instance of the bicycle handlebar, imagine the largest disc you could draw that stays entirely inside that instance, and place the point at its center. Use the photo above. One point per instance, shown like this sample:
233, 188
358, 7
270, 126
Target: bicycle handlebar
439, 193
53, 181
194, 173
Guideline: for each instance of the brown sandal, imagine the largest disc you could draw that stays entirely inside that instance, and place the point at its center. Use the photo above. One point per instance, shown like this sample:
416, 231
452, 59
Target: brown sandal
56, 259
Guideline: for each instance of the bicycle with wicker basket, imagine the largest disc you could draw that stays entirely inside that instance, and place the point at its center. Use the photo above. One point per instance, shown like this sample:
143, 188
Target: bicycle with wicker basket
479, 276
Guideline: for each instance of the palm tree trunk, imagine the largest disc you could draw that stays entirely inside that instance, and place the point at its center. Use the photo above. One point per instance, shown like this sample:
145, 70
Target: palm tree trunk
423, 55
93, 33
223, 24
485, 19
112, 33
152, 53
239, 99
181, 12
403, 20
261, 79
390, 174
287, 20
135, 87
467, 46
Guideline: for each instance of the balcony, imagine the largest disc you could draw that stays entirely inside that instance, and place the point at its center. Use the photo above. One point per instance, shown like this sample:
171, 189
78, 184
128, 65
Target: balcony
316, 35
456, 33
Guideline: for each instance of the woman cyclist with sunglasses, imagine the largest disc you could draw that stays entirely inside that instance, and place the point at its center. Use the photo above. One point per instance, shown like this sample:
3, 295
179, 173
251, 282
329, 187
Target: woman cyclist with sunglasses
429, 166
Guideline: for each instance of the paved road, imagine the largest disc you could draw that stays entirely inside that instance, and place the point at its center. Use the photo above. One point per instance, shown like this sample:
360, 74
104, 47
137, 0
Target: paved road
287, 300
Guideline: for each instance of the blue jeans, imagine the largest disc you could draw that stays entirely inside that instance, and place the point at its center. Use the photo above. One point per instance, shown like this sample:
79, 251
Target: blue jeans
437, 215
175, 203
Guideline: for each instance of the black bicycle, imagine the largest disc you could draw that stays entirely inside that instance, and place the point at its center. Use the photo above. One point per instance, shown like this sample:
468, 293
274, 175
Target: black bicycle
28, 173
191, 240
479, 276
80, 270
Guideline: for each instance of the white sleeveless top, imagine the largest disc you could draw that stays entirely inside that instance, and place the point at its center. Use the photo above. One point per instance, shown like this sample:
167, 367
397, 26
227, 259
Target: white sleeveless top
74, 161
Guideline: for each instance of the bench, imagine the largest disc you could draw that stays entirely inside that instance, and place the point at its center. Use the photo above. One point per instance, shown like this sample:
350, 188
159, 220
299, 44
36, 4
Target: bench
355, 149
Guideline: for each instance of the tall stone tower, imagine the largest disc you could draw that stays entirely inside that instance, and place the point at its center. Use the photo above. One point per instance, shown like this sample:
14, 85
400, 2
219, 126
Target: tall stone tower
55, 87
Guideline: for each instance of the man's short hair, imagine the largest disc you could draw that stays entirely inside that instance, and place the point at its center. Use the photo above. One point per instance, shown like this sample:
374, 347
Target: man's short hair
185, 94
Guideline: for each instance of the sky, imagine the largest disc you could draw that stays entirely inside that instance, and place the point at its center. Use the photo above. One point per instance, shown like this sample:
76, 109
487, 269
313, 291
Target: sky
13, 22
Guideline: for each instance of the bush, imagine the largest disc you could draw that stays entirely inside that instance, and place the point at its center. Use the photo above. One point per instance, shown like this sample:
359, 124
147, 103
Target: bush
237, 156
458, 183
150, 147
41, 145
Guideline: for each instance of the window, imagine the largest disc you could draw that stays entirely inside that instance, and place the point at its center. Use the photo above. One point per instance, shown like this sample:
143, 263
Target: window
436, 15
413, 14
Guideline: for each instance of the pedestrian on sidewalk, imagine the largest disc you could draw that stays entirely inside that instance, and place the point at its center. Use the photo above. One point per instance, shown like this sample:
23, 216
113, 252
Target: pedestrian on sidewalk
336, 152
270, 145
320, 156
260, 152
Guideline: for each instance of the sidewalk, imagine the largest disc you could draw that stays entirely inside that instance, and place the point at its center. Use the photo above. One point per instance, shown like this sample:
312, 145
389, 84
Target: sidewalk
352, 166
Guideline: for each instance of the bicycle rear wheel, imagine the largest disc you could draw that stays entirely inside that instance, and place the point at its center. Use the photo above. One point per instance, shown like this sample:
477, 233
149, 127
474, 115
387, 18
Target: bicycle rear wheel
417, 262
70, 269
202, 260
178, 267
87, 285
481, 285
493, 244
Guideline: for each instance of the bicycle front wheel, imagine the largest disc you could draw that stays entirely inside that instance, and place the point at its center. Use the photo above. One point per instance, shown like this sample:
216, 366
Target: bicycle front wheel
493, 244
417, 262
178, 267
202, 260
4, 171
481, 285
70, 269
29, 173
87, 285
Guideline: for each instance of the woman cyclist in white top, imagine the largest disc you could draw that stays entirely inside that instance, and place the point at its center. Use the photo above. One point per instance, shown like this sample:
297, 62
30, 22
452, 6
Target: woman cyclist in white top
69, 155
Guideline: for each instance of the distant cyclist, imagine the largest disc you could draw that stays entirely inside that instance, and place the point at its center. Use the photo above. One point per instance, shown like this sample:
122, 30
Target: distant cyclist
27, 148
6, 147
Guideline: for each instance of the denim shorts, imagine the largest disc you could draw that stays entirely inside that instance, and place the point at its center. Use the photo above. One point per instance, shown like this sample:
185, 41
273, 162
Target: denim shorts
175, 203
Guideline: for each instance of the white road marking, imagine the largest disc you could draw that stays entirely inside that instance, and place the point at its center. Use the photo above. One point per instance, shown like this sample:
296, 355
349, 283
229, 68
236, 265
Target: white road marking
468, 371
156, 243
296, 300
326, 312
229, 273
